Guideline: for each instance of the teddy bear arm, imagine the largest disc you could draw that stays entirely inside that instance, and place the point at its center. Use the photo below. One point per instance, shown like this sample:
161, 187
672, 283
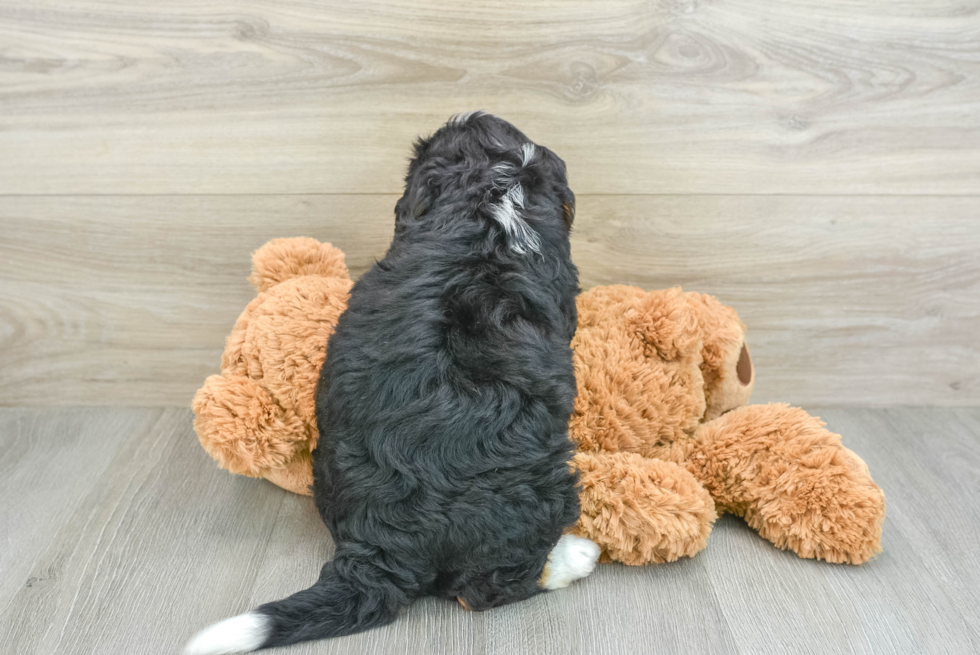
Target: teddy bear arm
792, 481
641, 510
243, 427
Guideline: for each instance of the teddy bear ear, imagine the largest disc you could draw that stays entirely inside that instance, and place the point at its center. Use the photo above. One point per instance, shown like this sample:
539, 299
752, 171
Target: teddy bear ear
282, 259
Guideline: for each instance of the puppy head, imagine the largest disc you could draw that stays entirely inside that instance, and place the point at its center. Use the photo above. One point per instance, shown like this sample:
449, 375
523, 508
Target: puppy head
480, 168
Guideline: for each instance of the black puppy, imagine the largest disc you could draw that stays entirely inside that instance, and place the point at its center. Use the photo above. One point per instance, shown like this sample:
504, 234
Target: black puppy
443, 405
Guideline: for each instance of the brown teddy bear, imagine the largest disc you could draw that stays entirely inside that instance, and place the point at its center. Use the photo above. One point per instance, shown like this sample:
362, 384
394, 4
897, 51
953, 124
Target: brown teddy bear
664, 437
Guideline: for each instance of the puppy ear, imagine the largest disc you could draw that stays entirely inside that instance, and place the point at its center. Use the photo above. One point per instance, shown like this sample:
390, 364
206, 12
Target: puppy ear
419, 189
568, 213
567, 202
416, 201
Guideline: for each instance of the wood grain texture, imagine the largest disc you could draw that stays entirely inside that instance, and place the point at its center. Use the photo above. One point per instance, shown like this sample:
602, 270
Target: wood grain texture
128, 538
30, 512
853, 300
683, 96
929, 555
145, 537
104, 296
126, 300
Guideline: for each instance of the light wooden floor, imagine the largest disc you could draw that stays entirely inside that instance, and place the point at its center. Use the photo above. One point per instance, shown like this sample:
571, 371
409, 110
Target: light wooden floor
121, 536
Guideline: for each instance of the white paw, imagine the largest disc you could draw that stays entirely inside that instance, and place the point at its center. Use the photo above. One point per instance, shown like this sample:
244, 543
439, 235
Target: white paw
572, 558
239, 634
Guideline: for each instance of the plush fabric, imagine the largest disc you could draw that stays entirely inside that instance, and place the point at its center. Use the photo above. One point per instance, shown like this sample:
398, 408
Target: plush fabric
257, 418
665, 438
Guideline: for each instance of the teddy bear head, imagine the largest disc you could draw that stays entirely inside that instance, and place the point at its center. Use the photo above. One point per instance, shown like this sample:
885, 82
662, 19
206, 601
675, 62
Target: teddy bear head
651, 366
258, 417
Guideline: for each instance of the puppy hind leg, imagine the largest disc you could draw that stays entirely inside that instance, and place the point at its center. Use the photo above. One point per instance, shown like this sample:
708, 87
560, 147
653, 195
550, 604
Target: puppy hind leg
572, 558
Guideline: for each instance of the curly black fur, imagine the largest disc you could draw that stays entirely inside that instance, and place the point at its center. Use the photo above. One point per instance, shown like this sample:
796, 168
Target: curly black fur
443, 405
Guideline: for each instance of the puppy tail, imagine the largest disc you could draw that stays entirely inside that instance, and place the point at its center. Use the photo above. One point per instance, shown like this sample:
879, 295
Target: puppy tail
333, 607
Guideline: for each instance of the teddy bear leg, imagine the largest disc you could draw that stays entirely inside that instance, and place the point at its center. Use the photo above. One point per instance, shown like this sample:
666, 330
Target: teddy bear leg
792, 481
571, 559
641, 510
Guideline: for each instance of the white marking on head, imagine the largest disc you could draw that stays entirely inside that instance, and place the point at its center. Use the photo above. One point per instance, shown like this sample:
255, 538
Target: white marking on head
239, 634
460, 119
571, 559
527, 150
521, 237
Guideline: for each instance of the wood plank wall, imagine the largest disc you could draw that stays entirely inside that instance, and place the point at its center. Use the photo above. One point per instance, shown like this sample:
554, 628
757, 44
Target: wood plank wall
815, 164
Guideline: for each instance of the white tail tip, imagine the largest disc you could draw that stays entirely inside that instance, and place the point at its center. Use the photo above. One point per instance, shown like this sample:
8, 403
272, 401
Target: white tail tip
239, 634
